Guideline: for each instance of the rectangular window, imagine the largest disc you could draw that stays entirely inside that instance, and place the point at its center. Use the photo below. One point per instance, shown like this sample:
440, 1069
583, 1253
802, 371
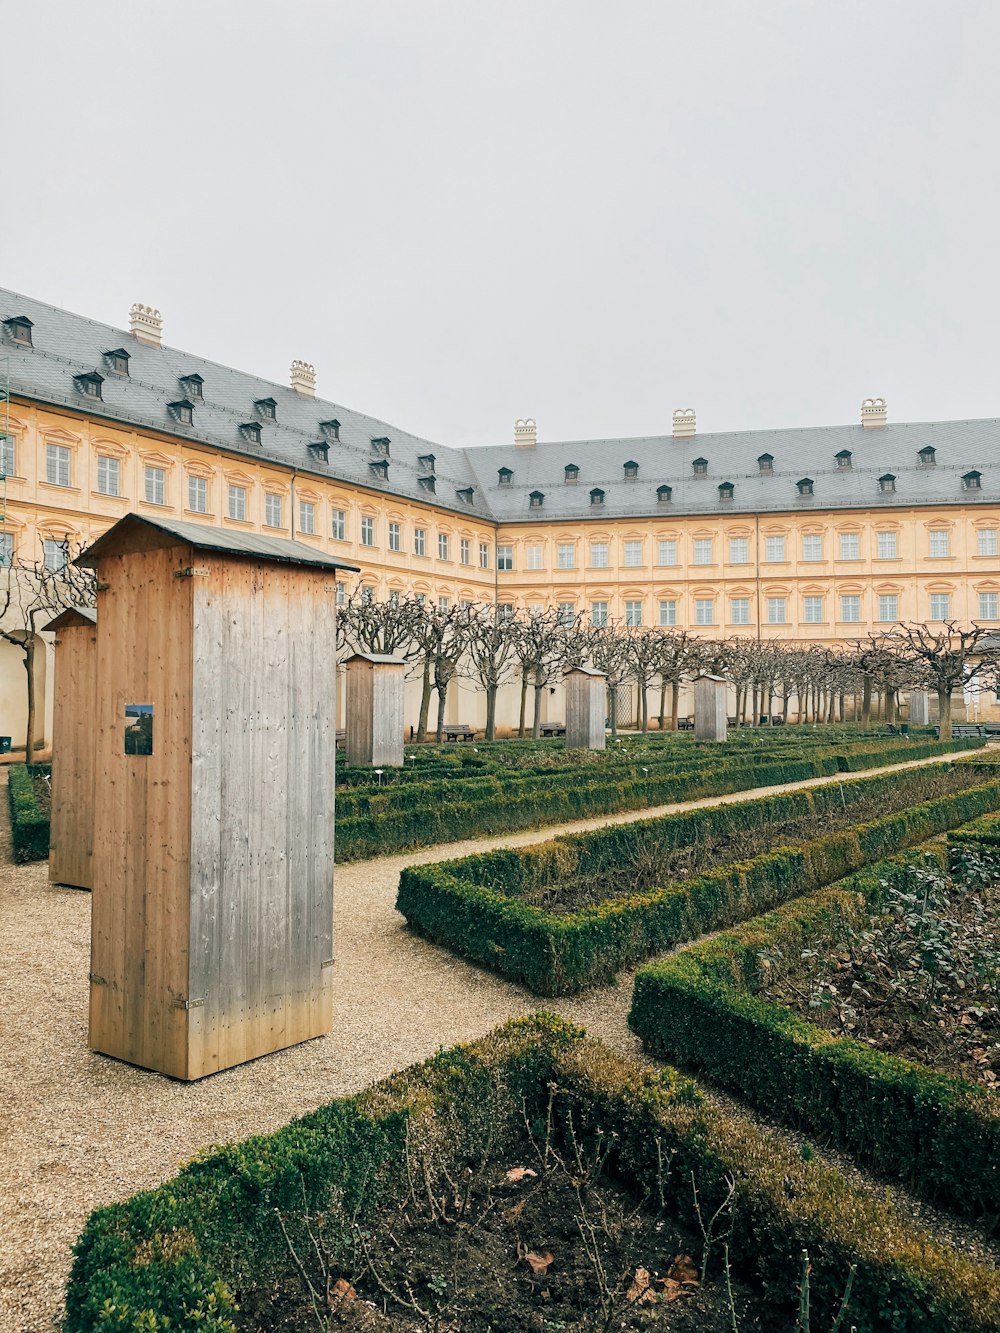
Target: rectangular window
6, 549
940, 606
484, 555
774, 549
888, 607
812, 610
812, 546
850, 609
599, 614
704, 611
443, 546
632, 555
8, 456
444, 603
307, 517
566, 555
567, 613
888, 547
156, 486
633, 613
533, 557
57, 465
419, 541
986, 541
338, 525
850, 546
238, 503
395, 537
367, 530
703, 552
198, 495
272, 511
739, 552
394, 597
776, 611
505, 557
598, 555
739, 611
668, 611
989, 606
341, 594
666, 551
108, 475
54, 555
940, 543
465, 551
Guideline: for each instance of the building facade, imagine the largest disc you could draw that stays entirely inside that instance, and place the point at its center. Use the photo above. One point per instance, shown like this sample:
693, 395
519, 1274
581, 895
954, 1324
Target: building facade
818, 535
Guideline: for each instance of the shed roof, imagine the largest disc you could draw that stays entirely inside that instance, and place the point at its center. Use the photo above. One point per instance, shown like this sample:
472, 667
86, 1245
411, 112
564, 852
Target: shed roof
377, 659
72, 617
204, 538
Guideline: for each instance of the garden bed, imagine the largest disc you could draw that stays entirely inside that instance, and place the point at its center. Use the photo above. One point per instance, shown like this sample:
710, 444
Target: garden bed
30, 804
417, 1193
481, 906
711, 1008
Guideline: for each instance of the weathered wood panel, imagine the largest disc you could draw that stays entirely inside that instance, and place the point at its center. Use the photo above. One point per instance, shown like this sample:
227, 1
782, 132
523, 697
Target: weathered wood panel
374, 720
74, 748
586, 710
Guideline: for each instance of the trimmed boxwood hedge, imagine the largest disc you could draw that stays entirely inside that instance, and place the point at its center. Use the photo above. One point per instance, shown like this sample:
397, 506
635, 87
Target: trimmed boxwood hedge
29, 825
702, 1007
181, 1255
473, 905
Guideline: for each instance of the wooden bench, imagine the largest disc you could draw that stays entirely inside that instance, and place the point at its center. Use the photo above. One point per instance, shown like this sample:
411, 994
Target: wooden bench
460, 731
340, 738
552, 729
963, 729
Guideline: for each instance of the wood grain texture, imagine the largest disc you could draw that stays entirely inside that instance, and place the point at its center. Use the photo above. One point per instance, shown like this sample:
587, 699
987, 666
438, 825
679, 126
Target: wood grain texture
74, 748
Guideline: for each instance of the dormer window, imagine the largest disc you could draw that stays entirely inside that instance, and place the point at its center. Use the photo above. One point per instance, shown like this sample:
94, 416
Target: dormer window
319, 450
182, 411
804, 486
424, 461
193, 385
380, 444
596, 497
726, 489
267, 408
765, 463
331, 429
19, 330
843, 459
887, 483
571, 474
664, 494
700, 466
972, 481
466, 494
90, 383
927, 455
117, 361
504, 476
427, 483
380, 466
631, 470
250, 430
536, 499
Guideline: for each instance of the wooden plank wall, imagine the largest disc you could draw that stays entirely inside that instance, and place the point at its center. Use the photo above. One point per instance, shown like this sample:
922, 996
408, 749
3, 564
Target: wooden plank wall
387, 715
262, 810
74, 747
359, 720
139, 913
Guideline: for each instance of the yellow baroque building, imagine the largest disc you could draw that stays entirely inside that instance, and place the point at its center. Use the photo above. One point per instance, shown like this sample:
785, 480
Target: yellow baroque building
817, 535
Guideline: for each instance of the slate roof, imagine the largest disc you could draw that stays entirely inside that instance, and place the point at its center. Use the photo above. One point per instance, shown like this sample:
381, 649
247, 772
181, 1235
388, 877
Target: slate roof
67, 345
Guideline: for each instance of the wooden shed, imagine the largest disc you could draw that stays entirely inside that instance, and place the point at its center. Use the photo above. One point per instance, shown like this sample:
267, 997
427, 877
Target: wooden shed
212, 912
375, 726
74, 734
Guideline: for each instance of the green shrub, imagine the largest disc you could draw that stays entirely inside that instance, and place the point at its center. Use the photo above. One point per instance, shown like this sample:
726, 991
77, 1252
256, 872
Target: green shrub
181, 1255
472, 906
703, 1008
29, 823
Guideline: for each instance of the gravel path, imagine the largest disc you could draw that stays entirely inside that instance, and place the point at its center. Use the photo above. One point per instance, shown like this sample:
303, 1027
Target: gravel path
78, 1130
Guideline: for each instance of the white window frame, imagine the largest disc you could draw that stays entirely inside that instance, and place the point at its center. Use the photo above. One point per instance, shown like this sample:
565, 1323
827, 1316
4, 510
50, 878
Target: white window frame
986, 542
812, 610
632, 554
272, 510
939, 544
338, 525
739, 551
668, 611
197, 494
236, 503
633, 612
599, 614
854, 618
109, 475
484, 555
704, 610
888, 615
505, 555
419, 541
367, 530
599, 555
940, 601
887, 545
54, 554
849, 545
777, 610
666, 551
774, 550
465, 551
533, 557
566, 555
739, 610
699, 549
395, 536
58, 465
992, 607
154, 484
307, 517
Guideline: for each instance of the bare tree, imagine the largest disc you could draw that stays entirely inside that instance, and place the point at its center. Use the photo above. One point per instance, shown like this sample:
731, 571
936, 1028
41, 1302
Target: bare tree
382, 628
644, 656
608, 650
547, 642
492, 655
945, 659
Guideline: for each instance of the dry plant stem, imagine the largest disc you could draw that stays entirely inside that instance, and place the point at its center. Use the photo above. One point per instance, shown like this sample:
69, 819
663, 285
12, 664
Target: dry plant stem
408, 1301
300, 1266
842, 1311
803, 1322
729, 1288
708, 1231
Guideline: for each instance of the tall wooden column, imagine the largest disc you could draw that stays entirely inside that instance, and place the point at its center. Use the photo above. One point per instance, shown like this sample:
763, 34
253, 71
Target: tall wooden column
586, 709
374, 721
710, 719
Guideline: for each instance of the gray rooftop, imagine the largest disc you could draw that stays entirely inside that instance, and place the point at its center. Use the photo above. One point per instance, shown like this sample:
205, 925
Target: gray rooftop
67, 345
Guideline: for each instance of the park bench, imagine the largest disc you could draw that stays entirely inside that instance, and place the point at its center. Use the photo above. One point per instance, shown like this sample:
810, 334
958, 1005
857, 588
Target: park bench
685, 724
340, 737
553, 729
459, 731
963, 729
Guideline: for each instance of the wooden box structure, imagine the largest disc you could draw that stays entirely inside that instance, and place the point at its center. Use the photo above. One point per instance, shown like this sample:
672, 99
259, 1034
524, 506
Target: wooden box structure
375, 727
710, 719
920, 711
74, 736
212, 911
586, 709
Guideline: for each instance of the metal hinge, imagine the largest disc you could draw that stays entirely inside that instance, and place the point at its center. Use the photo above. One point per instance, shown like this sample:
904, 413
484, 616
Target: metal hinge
189, 1004
98, 981
327, 962
102, 587
192, 572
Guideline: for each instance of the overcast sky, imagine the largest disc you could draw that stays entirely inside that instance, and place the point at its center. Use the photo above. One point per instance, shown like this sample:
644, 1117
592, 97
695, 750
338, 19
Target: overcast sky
466, 212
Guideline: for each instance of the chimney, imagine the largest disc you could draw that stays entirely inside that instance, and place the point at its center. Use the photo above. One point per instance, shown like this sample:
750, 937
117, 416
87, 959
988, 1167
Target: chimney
525, 433
146, 324
873, 413
684, 423
303, 378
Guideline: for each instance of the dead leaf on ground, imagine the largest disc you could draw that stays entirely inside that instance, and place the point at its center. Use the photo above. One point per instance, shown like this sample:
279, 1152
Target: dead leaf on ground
683, 1270
341, 1291
538, 1263
514, 1212
640, 1292
519, 1173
